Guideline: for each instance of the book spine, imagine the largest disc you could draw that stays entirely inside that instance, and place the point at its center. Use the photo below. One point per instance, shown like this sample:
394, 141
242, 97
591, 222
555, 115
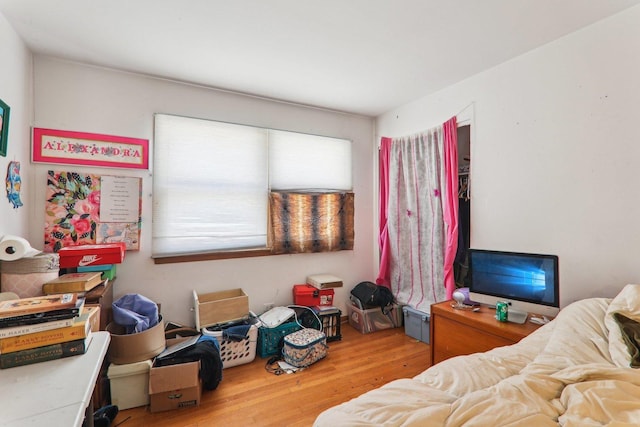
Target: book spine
36, 327
40, 339
43, 354
60, 288
30, 319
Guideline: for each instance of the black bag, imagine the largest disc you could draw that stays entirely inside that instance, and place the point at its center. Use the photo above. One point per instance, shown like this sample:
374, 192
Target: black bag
208, 353
371, 295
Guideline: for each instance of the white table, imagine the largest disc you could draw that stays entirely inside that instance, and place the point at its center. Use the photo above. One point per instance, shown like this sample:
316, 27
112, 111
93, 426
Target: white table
54, 393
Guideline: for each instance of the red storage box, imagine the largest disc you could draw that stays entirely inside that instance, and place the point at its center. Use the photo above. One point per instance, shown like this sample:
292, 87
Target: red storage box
85, 255
309, 296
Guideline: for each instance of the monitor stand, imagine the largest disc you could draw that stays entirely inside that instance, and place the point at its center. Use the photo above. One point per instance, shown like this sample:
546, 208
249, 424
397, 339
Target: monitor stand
515, 316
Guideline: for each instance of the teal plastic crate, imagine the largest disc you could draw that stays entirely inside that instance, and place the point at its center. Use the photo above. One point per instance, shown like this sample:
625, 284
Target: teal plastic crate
270, 339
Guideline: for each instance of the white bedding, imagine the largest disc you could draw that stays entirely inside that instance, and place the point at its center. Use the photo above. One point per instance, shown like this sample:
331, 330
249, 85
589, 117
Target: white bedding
574, 371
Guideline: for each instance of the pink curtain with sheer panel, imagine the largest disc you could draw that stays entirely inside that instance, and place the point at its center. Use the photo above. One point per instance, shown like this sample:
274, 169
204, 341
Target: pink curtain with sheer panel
418, 234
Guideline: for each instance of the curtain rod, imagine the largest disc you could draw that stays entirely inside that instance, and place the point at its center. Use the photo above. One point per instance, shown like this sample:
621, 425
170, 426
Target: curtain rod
462, 122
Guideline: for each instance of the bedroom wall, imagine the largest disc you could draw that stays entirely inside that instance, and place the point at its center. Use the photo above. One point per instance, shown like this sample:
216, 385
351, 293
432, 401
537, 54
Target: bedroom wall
77, 97
554, 148
15, 91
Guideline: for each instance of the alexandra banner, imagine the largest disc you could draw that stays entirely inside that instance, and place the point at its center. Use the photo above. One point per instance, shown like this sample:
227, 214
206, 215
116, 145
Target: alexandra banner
89, 149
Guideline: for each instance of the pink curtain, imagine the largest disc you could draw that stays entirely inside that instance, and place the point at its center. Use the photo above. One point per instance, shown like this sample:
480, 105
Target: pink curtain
450, 204
384, 274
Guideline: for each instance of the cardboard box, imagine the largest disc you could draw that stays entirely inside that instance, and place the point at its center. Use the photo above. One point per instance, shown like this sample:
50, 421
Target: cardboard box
108, 270
310, 296
94, 316
129, 384
220, 307
25, 276
416, 323
373, 319
86, 255
129, 348
174, 386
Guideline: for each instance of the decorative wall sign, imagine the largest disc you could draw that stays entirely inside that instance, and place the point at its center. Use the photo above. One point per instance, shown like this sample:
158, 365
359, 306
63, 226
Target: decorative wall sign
83, 209
89, 149
4, 128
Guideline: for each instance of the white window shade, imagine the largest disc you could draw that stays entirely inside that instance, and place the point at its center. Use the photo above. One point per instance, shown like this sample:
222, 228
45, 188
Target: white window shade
299, 161
210, 186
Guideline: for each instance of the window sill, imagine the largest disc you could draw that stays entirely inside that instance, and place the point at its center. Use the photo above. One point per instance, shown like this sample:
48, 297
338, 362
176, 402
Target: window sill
213, 256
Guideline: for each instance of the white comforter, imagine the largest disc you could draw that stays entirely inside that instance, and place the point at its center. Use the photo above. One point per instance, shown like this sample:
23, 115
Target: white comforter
574, 371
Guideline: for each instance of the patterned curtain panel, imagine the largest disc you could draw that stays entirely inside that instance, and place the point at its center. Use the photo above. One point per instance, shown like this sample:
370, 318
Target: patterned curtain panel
305, 222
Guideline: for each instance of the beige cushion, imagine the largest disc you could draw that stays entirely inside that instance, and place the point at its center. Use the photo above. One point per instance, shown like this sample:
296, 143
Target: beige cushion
5, 296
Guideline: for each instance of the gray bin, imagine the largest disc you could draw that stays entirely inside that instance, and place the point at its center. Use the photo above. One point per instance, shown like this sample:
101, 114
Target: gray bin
416, 323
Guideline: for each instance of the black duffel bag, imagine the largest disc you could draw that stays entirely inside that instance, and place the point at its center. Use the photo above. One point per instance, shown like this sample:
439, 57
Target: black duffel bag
371, 295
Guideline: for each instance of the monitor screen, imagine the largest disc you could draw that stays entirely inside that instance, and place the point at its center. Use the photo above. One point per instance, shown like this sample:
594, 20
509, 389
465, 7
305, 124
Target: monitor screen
515, 276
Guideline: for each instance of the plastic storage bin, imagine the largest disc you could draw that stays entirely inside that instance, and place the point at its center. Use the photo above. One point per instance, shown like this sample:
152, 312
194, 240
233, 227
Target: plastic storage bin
309, 296
129, 384
270, 339
234, 353
373, 319
416, 323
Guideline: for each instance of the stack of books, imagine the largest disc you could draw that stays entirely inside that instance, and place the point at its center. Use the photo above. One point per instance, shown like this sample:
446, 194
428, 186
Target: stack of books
43, 328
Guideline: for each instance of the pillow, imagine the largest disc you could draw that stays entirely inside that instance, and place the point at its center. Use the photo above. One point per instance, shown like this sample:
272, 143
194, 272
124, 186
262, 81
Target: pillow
626, 303
630, 330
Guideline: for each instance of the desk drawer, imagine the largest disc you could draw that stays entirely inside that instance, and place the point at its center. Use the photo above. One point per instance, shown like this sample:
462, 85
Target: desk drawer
451, 339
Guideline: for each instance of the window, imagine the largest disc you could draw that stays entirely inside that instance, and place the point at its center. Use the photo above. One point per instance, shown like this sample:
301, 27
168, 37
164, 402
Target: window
212, 182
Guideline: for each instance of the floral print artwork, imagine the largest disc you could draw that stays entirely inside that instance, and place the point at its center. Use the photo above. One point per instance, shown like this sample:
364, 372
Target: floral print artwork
72, 214
72, 209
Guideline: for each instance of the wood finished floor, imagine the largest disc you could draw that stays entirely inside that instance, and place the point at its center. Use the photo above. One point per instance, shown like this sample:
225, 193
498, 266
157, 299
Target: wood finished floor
250, 396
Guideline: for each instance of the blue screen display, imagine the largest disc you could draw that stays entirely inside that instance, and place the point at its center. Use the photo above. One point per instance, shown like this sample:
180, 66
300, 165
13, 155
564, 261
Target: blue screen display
526, 277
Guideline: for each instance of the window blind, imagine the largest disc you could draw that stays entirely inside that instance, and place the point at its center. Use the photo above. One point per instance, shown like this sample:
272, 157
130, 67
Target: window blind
212, 180
210, 186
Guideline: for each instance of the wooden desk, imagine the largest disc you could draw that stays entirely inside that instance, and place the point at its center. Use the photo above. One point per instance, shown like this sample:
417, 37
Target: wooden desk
54, 393
457, 332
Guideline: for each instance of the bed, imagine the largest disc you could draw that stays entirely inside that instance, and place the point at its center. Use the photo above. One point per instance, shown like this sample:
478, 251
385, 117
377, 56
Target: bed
573, 371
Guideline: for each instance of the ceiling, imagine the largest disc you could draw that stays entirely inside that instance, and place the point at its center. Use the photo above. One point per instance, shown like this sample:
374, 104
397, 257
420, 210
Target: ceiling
359, 56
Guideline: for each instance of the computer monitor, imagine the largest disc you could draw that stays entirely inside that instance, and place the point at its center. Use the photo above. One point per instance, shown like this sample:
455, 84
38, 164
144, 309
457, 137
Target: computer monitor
527, 282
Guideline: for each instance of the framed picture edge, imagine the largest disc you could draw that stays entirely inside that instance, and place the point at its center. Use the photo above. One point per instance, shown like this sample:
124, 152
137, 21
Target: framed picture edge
4, 130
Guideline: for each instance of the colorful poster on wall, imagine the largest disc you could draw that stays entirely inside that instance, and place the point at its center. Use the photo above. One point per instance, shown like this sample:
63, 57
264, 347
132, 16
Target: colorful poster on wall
84, 209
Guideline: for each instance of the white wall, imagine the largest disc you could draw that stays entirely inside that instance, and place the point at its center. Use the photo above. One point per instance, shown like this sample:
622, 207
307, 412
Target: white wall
555, 145
16, 92
76, 97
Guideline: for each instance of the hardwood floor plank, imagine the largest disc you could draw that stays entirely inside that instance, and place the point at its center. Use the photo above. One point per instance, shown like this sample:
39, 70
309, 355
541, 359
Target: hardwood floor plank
248, 395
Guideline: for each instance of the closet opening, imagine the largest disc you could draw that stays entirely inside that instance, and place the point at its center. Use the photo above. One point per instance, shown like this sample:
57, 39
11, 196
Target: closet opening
461, 261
